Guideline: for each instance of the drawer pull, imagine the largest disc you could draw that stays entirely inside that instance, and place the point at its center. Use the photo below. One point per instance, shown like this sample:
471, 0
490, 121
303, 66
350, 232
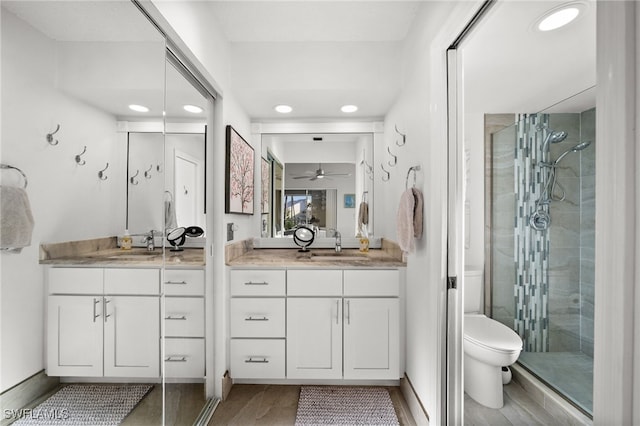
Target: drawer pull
176, 359
95, 315
175, 317
257, 360
257, 319
256, 283
176, 282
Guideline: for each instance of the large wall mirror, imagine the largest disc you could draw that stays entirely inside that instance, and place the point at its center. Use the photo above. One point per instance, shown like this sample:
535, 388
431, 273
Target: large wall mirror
97, 78
318, 180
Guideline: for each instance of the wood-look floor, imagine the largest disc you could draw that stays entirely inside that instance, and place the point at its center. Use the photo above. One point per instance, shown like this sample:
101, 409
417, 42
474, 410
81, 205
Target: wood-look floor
519, 409
274, 405
183, 401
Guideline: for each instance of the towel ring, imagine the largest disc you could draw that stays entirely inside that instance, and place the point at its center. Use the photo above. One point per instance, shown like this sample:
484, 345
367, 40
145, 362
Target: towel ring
147, 173
395, 158
133, 179
79, 160
388, 175
8, 167
404, 137
50, 139
413, 169
101, 173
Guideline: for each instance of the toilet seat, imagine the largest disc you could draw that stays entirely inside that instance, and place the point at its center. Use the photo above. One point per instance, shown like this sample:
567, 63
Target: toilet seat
491, 334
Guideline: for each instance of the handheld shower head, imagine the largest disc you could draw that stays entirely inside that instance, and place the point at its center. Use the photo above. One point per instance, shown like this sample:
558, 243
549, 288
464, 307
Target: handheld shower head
578, 147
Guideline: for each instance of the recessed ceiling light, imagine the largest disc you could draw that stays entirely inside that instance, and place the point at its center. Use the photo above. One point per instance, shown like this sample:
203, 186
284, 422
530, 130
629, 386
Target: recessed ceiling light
559, 17
349, 108
283, 109
193, 108
138, 108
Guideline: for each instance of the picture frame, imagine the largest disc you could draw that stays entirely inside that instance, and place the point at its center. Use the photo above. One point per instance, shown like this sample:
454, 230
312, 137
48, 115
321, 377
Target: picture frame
239, 173
349, 201
265, 185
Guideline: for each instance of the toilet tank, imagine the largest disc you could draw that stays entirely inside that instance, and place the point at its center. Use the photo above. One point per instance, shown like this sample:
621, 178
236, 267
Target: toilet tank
473, 290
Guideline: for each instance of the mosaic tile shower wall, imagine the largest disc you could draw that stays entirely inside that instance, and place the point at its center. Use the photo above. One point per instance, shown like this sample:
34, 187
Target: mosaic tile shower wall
531, 255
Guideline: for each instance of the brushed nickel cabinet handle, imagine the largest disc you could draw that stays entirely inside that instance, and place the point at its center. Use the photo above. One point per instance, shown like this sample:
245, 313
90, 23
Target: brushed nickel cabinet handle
95, 302
337, 312
176, 359
252, 360
176, 317
256, 283
348, 312
106, 315
256, 319
176, 282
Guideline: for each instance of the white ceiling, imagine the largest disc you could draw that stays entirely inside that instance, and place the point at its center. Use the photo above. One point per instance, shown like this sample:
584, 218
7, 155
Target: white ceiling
319, 55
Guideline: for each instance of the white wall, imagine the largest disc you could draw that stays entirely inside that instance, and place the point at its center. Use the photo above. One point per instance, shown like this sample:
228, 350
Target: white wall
474, 190
68, 201
420, 113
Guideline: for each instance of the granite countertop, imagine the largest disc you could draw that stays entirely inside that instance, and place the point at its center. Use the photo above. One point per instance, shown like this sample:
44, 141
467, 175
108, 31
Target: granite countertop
320, 258
105, 253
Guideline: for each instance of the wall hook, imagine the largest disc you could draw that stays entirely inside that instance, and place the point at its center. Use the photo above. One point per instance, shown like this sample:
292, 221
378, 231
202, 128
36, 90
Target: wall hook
159, 168
386, 177
147, 173
404, 137
50, 139
79, 159
395, 158
186, 191
101, 173
133, 179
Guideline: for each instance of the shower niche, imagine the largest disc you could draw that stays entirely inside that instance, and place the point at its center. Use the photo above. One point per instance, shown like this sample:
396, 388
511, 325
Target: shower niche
540, 197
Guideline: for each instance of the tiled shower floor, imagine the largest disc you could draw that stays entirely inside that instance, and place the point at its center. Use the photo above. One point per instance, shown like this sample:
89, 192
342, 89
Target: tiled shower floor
571, 373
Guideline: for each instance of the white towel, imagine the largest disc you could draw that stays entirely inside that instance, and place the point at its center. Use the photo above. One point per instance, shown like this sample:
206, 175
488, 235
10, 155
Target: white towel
405, 221
16, 220
170, 221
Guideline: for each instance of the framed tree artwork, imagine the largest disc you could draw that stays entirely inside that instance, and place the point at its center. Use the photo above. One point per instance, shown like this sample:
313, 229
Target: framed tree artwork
266, 185
239, 174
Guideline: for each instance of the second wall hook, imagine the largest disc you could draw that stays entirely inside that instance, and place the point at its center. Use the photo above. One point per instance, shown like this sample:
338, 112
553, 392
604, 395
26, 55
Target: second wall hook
133, 179
50, 138
147, 173
79, 160
101, 173
404, 137
387, 175
393, 162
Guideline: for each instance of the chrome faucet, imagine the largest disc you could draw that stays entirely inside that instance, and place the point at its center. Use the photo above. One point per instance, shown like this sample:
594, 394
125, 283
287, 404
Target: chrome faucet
338, 247
149, 239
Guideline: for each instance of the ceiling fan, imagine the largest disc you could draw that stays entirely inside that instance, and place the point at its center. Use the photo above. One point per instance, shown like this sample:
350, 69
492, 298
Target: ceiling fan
320, 174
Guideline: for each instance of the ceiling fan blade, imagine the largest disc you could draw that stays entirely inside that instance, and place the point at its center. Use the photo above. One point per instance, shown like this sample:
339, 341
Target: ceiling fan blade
337, 174
303, 177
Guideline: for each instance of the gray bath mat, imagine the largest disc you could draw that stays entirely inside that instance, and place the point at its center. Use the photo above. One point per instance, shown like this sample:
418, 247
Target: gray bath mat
85, 405
345, 405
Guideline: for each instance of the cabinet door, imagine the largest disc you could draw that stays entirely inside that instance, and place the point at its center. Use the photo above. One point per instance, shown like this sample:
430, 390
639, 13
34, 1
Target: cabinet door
132, 336
74, 333
371, 339
314, 338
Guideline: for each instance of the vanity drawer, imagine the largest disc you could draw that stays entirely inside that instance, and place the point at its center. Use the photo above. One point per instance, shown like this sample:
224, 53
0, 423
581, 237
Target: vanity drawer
184, 358
131, 281
184, 317
75, 280
314, 282
258, 317
257, 282
257, 359
184, 282
372, 282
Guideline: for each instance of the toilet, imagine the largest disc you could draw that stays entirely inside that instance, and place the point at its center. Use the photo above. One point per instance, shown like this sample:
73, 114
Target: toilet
488, 346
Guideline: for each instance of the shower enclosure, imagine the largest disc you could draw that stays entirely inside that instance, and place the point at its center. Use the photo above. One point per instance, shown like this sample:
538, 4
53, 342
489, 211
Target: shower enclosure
541, 259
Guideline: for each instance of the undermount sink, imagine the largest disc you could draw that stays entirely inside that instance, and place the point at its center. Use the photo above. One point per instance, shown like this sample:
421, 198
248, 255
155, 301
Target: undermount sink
333, 256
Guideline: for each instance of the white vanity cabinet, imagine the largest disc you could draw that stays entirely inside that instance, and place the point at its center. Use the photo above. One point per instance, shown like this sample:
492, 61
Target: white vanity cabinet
371, 324
257, 323
103, 322
184, 323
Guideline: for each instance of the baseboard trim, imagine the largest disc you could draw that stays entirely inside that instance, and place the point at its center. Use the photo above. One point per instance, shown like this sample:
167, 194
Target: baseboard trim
25, 394
418, 411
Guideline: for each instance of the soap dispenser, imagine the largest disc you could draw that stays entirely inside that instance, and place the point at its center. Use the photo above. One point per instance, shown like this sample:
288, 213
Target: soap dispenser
126, 241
